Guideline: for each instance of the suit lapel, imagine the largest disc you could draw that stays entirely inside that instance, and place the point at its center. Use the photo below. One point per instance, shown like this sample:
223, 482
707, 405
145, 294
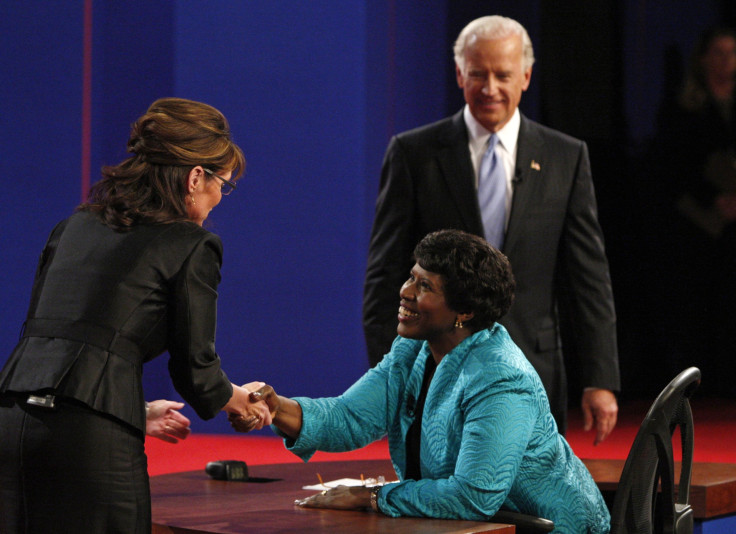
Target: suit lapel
528, 176
457, 171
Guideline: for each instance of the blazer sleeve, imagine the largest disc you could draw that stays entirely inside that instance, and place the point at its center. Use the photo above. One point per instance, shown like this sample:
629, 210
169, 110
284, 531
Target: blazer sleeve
586, 284
45, 258
390, 251
194, 365
345, 423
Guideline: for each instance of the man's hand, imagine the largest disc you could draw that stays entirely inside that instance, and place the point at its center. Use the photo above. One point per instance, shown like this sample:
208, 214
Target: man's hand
599, 407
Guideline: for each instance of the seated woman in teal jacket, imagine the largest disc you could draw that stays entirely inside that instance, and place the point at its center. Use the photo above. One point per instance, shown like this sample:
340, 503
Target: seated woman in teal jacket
468, 422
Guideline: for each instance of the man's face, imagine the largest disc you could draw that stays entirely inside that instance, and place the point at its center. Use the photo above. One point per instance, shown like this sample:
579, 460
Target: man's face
719, 61
493, 80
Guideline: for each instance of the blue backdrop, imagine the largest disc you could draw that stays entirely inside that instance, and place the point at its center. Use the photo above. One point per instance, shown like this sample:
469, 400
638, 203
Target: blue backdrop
310, 92
313, 91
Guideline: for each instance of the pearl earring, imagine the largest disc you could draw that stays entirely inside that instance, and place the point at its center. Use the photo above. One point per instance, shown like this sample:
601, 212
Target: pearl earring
192, 197
458, 324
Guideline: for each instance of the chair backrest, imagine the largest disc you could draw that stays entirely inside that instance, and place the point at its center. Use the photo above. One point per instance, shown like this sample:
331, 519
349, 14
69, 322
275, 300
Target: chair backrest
650, 464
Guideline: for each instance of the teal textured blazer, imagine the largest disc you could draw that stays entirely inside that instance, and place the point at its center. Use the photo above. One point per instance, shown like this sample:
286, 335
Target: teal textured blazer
553, 242
488, 438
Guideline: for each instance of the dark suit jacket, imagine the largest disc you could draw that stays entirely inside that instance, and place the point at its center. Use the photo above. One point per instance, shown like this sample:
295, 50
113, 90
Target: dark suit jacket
104, 302
553, 241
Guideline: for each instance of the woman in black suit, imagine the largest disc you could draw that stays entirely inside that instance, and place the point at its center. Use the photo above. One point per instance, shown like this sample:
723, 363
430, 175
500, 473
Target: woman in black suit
130, 275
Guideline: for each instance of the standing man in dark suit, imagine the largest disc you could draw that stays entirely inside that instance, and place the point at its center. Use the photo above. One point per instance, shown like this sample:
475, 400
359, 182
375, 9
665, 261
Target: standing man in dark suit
549, 227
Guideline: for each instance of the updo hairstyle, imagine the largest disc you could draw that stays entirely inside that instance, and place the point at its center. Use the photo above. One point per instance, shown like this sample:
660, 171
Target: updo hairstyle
166, 143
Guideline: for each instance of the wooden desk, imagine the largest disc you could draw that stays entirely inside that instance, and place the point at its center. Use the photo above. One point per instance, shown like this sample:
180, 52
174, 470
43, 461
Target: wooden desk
192, 502
712, 485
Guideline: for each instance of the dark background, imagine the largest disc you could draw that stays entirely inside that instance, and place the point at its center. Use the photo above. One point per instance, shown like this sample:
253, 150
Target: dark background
313, 92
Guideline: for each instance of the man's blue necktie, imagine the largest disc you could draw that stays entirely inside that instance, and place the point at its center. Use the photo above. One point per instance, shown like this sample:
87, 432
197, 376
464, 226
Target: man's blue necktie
492, 194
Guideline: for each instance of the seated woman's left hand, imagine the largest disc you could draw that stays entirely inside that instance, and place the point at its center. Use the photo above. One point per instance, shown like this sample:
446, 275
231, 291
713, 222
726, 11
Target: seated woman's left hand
341, 498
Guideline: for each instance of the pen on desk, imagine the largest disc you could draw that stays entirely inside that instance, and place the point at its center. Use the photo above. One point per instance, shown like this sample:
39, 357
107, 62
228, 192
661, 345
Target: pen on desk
320, 479
362, 480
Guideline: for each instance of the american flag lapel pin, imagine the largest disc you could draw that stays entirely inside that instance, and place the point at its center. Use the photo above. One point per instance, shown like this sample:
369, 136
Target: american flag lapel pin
536, 166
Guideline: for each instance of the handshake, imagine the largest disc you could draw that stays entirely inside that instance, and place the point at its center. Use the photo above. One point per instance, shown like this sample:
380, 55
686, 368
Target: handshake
252, 406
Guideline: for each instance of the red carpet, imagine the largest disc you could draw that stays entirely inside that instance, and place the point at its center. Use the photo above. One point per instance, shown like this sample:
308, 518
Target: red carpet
194, 452
715, 432
715, 441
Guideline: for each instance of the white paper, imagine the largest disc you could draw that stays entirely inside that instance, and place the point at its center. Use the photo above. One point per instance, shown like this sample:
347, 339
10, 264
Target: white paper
346, 482
334, 484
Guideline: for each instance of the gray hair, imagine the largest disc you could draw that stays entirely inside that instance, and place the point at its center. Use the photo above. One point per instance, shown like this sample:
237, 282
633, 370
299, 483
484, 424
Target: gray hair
493, 27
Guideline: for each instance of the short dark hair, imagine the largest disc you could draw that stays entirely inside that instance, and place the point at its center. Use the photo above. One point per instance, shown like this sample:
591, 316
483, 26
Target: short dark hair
477, 277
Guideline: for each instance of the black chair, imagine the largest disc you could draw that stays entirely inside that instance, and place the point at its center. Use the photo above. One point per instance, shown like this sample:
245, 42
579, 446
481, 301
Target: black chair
645, 499
524, 523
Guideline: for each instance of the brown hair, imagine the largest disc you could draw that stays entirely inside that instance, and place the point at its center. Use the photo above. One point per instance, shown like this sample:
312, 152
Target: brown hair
150, 187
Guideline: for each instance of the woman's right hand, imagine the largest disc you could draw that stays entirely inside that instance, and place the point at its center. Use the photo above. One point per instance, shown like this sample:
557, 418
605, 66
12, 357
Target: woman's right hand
250, 414
264, 393
268, 395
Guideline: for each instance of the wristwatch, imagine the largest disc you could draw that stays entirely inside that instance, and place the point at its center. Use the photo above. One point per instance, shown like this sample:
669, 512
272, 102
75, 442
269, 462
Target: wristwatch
374, 498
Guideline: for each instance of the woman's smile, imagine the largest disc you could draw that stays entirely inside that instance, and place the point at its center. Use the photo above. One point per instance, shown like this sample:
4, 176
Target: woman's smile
406, 314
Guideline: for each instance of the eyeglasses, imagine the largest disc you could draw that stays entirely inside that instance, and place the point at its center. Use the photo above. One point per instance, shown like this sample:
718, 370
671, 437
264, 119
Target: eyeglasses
229, 183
